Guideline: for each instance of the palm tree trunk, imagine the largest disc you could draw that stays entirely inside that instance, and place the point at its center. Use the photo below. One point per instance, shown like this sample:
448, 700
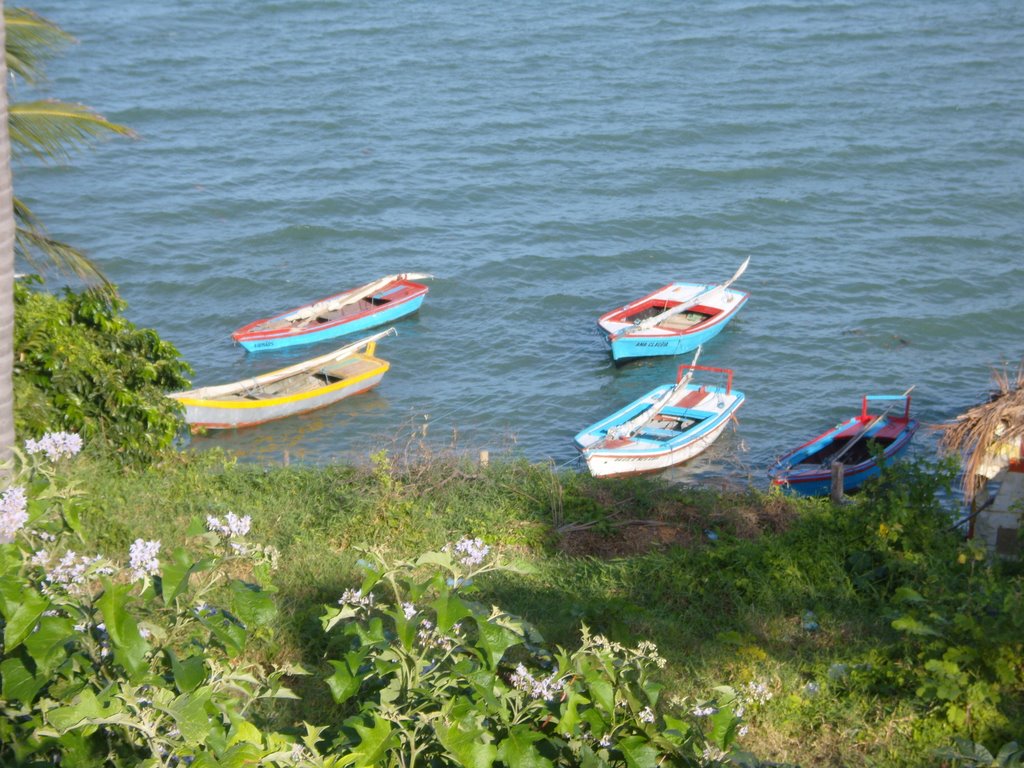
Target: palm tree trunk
6, 268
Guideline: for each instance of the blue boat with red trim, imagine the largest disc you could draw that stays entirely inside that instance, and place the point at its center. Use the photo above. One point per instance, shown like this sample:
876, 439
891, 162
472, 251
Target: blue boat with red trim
862, 443
675, 319
377, 303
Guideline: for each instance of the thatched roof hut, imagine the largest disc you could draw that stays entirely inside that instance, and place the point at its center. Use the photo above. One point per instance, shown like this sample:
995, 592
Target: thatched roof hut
990, 433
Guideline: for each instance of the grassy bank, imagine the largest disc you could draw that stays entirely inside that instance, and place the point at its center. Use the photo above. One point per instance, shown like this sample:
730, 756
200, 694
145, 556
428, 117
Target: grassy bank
802, 601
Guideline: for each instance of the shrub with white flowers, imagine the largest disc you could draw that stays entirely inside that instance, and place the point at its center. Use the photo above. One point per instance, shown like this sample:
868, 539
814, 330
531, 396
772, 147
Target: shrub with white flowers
139, 659
430, 677
106, 662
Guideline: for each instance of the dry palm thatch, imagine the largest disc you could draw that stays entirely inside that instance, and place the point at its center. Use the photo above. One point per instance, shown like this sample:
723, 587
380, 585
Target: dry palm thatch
975, 433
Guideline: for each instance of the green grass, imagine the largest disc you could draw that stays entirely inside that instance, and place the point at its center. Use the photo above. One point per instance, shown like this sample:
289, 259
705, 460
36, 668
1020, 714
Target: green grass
630, 559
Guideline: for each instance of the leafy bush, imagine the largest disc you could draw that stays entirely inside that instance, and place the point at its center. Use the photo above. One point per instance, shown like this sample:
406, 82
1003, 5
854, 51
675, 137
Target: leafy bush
81, 367
957, 616
428, 676
148, 660
127, 664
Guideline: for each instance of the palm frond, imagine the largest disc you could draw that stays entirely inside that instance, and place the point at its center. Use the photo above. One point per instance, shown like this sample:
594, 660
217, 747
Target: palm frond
30, 40
39, 250
51, 129
974, 432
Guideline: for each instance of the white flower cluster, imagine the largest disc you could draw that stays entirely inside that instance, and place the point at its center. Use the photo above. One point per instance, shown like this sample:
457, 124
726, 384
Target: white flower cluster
409, 610
646, 715
429, 637
758, 692
473, 551
70, 571
55, 445
356, 599
13, 516
713, 754
547, 688
649, 651
704, 711
233, 525
143, 558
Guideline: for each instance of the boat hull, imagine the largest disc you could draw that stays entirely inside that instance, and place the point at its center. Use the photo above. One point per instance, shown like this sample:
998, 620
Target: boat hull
234, 412
403, 297
717, 309
653, 448
807, 470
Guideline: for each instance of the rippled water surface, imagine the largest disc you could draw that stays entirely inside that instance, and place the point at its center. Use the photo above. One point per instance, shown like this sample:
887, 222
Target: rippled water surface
548, 162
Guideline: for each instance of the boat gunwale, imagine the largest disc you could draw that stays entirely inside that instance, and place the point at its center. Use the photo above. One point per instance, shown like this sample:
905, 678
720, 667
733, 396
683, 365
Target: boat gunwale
785, 472
656, 332
692, 433
379, 366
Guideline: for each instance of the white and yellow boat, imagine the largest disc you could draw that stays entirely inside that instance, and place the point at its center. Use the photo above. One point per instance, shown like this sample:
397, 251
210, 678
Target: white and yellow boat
299, 388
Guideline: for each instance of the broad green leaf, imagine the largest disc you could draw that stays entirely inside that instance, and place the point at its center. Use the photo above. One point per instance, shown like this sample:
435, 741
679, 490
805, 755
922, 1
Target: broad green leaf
374, 742
495, 640
85, 709
174, 574
189, 673
638, 752
46, 645
723, 727
19, 683
244, 732
517, 750
1010, 751
913, 627
467, 743
189, 713
251, 604
603, 694
346, 680
21, 609
570, 719
449, 609
590, 759
440, 559
652, 691
127, 643
230, 634
676, 730
907, 595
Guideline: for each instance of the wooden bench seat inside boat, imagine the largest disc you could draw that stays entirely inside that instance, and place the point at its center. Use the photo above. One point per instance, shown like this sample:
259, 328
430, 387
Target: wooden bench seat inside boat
683, 321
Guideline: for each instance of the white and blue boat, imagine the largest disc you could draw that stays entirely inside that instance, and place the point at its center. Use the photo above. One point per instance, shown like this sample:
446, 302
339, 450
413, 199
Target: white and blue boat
862, 444
665, 427
675, 319
377, 303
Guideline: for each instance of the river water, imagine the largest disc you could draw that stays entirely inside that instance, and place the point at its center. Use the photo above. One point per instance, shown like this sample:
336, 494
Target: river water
548, 162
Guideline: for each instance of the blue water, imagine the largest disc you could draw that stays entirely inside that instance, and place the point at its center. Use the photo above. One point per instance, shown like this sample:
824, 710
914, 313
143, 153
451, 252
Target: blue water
548, 162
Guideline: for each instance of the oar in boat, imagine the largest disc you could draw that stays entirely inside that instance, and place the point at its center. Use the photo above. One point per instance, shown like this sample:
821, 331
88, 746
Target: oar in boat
634, 425
682, 307
867, 427
351, 297
291, 370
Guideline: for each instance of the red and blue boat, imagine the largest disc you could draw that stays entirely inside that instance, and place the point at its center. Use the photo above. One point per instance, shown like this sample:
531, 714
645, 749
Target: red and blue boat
377, 303
675, 319
862, 443
667, 426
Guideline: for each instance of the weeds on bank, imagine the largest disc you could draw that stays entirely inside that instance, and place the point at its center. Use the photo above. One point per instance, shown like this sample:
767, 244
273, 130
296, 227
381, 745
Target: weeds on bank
879, 634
